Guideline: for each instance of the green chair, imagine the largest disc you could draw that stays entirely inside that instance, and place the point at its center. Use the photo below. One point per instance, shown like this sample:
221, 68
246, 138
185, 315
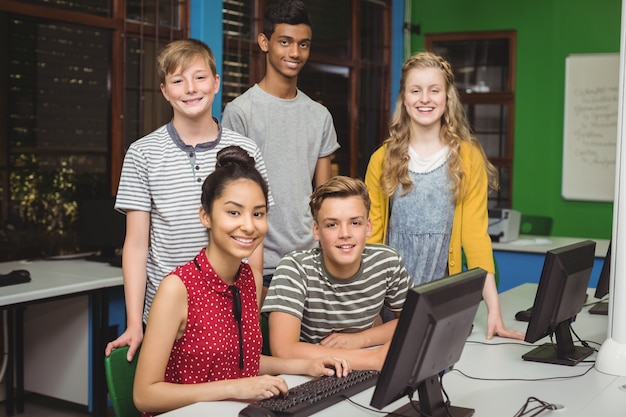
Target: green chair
535, 225
265, 331
120, 375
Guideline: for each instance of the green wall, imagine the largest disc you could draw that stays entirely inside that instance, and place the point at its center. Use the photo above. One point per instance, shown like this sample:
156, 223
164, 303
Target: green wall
547, 31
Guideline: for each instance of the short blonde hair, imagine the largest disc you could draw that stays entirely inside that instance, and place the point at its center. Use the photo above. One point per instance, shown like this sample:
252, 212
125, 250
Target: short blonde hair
181, 53
342, 187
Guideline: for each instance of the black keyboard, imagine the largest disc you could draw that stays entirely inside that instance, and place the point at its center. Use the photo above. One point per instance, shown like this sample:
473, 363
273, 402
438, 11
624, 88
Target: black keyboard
17, 276
318, 394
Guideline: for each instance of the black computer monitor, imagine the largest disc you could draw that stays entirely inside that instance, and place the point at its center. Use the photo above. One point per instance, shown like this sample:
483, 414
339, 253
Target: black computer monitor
560, 296
101, 228
602, 288
434, 324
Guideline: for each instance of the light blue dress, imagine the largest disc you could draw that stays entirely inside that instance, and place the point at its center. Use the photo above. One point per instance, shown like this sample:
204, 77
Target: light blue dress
420, 224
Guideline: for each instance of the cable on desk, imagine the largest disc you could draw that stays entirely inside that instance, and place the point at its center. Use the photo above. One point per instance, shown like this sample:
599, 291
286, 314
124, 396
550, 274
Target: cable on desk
543, 406
582, 342
410, 396
476, 342
585, 343
593, 303
373, 410
551, 378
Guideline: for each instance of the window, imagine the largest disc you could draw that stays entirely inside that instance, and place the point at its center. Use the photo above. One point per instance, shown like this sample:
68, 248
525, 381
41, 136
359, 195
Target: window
348, 70
484, 71
81, 86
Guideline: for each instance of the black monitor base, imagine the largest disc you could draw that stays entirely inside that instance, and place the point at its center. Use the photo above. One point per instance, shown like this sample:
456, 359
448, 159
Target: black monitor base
601, 307
409, 410
547, 353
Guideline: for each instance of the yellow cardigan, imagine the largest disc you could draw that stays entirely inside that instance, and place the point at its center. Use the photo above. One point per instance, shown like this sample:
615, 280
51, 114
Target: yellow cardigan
471, 219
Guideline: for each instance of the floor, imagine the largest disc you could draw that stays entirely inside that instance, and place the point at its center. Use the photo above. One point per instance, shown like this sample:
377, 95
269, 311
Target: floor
42, 406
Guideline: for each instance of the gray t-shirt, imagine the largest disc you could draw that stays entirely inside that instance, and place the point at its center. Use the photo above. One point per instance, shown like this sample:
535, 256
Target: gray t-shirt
292, 135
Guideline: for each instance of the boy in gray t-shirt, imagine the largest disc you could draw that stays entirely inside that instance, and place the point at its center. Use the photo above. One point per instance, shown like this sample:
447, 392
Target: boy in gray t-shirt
295, 134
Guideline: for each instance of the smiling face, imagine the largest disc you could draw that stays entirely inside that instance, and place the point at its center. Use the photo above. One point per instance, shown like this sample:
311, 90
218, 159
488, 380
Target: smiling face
341, 227
191, 90
237, 222
425, 96
287, 50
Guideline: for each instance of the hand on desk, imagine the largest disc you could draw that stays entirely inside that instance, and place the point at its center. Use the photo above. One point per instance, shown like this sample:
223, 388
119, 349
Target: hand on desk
496, 327
130, 337
495, 324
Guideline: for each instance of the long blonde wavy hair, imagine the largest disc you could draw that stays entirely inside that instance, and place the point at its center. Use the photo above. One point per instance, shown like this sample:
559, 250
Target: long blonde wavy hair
454, 129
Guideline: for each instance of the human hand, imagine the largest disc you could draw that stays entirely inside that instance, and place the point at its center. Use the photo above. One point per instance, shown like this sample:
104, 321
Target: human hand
262, 386
131, 338
343, 341
328, 366
496, 327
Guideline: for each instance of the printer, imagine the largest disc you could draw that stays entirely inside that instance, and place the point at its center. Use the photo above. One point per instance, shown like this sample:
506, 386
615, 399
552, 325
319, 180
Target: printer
504, 225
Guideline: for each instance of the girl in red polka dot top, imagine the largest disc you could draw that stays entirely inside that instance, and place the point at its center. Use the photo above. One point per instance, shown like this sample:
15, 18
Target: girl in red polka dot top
203, 340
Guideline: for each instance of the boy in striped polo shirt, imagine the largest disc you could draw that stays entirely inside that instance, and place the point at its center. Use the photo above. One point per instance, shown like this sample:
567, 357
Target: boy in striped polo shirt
327, 300
162, 178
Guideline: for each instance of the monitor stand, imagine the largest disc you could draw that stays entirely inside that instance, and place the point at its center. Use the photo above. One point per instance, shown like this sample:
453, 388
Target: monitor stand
563, 352
431, 403
409, 410
601, 307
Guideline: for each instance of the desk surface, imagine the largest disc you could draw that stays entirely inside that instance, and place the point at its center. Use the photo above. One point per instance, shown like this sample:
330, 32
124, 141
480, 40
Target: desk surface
542, 244
54, 278
497, 381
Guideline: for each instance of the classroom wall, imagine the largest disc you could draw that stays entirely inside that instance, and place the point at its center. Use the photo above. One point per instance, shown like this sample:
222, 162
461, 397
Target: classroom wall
547, 31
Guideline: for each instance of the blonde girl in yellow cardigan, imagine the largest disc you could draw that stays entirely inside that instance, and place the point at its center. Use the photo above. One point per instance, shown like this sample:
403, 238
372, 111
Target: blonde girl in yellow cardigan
429, 183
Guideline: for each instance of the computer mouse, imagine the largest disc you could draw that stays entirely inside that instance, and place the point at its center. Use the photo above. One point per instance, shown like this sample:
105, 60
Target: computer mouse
524, 315
253, 410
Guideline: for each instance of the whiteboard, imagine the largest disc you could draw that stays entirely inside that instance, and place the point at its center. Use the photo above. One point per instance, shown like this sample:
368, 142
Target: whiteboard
590, 126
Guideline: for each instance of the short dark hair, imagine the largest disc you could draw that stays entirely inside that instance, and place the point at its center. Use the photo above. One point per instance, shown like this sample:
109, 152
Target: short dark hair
291, 12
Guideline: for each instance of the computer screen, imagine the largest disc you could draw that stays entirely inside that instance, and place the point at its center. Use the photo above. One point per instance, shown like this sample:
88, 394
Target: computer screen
560, 297
602, 288
102, 228
434, 324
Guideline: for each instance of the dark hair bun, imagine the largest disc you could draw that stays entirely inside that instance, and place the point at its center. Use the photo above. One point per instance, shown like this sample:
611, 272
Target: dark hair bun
234, 155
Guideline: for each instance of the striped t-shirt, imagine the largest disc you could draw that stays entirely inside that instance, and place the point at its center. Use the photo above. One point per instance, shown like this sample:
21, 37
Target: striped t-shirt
163, 176
325, 304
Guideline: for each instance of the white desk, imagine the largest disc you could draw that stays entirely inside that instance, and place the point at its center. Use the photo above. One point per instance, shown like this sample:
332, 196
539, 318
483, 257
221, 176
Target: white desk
521, 260
542, 244
507, 384
54, 280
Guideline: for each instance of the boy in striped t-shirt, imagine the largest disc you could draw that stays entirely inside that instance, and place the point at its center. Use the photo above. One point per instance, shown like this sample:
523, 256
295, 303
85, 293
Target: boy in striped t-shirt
162, 178
327, 300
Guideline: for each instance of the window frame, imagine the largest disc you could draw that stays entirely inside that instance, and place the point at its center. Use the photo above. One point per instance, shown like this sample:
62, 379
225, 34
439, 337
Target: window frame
120, 30
504, 98
357, 147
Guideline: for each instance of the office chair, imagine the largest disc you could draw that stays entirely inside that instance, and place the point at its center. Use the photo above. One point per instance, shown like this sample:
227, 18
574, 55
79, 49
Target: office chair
265, 331
535, 225
120, 375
